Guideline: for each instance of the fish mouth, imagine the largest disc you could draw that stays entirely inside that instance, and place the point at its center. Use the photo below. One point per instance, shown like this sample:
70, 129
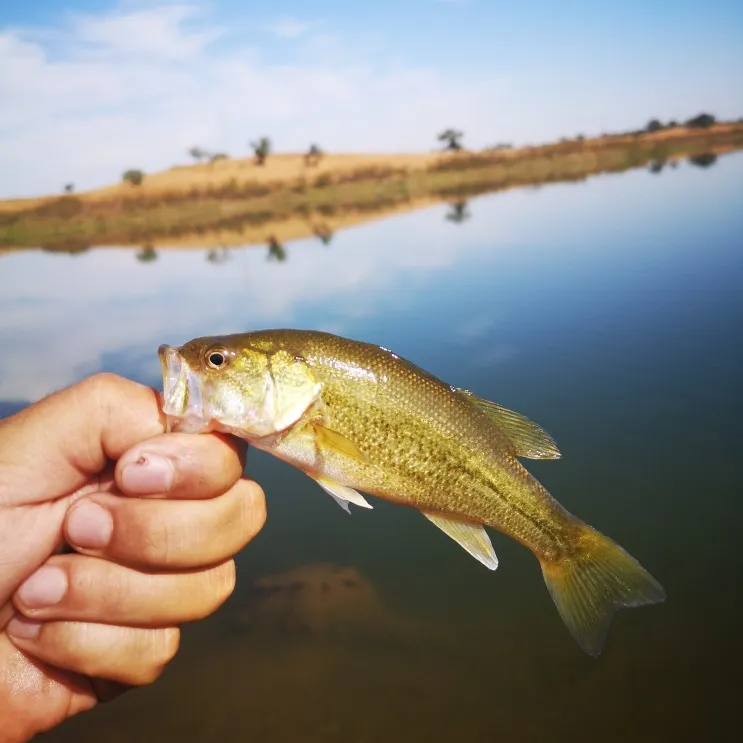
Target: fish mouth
183, 400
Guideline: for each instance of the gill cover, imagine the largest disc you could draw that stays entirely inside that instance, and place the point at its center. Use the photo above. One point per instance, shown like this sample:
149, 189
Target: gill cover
255, 394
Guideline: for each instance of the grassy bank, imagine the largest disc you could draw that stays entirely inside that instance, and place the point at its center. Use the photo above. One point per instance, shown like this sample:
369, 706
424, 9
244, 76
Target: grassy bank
238, 202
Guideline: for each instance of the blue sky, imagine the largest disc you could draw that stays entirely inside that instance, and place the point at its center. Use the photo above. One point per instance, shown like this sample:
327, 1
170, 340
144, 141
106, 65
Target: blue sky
90, 88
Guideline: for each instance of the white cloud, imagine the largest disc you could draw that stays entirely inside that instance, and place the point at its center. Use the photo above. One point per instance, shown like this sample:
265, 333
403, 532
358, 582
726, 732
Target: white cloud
136, 88
289, 27
163, 32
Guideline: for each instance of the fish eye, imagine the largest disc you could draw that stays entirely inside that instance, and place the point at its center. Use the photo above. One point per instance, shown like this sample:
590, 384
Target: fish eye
216, 358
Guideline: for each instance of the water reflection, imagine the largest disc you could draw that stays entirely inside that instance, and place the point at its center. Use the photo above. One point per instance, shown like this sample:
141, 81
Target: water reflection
608, 311
458, 213
218, 255
705, 160
324, 233
147, 254
276, 251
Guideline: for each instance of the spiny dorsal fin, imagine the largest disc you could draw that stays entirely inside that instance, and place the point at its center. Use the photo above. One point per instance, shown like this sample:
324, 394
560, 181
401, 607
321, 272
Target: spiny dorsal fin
472, 537
527, 438
330, 439
342, 494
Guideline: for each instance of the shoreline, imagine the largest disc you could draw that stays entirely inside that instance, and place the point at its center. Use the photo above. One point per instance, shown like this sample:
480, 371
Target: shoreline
236, 202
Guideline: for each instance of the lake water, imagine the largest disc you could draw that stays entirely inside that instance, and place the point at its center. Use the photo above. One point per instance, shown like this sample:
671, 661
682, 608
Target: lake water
610, 311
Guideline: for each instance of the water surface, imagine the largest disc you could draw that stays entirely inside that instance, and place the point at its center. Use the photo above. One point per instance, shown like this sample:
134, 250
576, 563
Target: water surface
608, 311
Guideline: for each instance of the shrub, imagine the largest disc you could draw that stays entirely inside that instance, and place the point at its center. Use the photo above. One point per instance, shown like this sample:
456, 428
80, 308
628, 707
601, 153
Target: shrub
702, 121
135, 177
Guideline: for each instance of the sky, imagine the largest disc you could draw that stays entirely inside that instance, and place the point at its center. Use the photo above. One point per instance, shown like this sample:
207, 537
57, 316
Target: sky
90, 88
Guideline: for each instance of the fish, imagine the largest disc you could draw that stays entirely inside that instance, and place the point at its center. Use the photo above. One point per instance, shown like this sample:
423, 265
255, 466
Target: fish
357, 418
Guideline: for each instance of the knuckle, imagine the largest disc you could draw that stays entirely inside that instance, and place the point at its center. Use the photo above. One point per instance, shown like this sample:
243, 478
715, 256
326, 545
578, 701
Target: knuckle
222, 583
216, 586
165, 645
101, 385
161, 647
253, 510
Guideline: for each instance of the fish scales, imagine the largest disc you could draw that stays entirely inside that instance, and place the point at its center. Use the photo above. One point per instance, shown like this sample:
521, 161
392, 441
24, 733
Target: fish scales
357, 417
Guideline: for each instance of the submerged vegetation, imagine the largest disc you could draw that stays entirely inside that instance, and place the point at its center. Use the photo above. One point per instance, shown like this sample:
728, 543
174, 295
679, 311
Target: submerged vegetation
234, 202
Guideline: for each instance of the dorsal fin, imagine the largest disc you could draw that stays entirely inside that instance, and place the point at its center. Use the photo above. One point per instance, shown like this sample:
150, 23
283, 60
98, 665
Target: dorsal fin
527, 438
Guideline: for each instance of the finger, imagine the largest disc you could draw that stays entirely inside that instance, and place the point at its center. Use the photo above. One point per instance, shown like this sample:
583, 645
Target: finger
129, 655
167, 534
89, 589
181, 465
74, 433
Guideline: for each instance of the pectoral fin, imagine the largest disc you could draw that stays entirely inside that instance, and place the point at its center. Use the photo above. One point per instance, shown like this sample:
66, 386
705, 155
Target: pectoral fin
472, 537
342, 494
527, 438
330, 439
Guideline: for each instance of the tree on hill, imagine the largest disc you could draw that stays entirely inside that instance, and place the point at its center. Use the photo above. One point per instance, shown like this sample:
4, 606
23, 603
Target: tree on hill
217, 156
654, 126
702, 121
261, 149
313, 156
452, 138
69, 187
198, 154
135, 177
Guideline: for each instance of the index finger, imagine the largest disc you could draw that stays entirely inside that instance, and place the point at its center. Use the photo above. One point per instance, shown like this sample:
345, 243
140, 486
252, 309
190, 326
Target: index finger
74, 432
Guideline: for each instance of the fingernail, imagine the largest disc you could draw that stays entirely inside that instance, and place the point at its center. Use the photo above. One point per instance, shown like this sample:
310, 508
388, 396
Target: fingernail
22, 628
89, 525
45, 587
148, 475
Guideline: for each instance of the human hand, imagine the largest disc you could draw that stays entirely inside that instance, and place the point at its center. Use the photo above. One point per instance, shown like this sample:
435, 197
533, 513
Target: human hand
78, 628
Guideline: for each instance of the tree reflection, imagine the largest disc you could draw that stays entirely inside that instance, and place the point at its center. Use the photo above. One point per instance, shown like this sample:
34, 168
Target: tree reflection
459, 212
218, 255
704, 160
276, 251
147, 254
657, 166
323, 232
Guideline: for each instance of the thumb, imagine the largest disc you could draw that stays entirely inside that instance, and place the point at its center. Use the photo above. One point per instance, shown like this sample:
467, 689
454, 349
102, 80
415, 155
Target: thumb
54, 446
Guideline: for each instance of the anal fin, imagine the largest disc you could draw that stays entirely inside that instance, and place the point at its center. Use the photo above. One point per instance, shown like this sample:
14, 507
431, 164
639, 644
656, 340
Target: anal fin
472, 537
342, 494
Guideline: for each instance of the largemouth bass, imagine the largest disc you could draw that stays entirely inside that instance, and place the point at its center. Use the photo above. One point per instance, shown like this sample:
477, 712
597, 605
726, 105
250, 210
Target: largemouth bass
357, 417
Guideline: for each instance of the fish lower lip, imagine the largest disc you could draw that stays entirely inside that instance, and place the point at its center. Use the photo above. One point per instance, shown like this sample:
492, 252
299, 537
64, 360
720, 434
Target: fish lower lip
182, 393
175, 395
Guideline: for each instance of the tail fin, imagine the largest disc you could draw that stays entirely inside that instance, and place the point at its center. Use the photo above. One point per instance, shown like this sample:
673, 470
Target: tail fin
591, 583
